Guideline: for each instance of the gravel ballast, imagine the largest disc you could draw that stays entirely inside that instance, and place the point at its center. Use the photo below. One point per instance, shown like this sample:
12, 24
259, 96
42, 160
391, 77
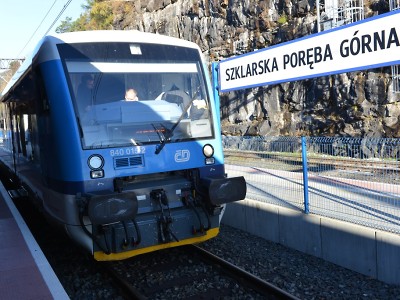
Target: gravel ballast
303, 275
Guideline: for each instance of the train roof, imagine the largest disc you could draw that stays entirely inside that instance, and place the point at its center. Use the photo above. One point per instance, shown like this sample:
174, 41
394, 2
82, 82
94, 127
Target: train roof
46, 50
118, 36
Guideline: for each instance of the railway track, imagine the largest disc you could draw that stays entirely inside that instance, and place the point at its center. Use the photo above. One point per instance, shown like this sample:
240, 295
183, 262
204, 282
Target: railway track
362, 169
188, 272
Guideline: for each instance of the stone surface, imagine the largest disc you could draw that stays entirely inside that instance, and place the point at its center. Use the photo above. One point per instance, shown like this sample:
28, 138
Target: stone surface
359, 104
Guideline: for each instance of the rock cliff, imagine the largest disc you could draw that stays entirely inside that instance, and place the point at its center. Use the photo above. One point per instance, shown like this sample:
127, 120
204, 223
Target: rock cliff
358, 104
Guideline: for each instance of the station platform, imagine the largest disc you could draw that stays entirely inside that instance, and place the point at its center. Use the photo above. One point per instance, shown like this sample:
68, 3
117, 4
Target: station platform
25, 272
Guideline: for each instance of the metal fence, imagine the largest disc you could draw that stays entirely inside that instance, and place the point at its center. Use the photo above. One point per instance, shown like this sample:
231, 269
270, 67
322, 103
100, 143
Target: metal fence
351, 179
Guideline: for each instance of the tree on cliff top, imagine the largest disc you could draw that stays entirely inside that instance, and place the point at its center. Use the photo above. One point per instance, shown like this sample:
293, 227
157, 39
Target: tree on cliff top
97, 15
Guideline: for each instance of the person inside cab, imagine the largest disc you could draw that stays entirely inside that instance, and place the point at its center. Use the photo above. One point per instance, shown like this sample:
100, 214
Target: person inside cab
131, 95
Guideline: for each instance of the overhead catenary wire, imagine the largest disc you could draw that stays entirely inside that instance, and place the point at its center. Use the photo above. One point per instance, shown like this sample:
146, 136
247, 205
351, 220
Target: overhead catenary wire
37, 28
52, 24
59, 15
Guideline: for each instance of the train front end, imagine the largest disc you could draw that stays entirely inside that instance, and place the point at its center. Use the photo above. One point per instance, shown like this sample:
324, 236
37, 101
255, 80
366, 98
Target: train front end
152, 170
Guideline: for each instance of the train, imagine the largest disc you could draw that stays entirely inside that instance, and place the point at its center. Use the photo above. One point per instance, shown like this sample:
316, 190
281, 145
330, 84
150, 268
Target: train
123, 176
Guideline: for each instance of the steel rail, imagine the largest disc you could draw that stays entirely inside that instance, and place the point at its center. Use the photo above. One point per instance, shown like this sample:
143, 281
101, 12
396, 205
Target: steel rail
257, 284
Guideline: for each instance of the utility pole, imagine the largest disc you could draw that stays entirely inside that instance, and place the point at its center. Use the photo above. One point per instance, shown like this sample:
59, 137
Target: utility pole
7, 68
5, 62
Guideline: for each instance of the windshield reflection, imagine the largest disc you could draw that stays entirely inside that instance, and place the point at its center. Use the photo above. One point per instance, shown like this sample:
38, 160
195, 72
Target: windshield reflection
124, 109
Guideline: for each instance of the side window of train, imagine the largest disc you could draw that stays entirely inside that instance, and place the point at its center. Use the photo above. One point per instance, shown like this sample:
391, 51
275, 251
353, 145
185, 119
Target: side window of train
31, 100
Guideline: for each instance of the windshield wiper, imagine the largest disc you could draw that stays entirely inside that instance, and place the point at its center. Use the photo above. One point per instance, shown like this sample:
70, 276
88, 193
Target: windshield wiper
170, 132
163, 137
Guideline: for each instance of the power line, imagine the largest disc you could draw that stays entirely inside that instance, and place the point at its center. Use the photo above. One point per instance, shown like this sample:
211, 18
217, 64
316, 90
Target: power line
59, 15
52, 24
37, 28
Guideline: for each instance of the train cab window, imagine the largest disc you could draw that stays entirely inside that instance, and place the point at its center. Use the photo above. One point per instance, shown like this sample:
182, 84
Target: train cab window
169, 82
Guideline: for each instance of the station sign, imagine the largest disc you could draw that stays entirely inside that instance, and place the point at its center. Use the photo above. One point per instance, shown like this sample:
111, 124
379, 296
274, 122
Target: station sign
362, 45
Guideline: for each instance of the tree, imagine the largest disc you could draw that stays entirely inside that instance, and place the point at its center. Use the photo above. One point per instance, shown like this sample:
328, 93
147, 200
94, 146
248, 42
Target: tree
79, 24
97, 15
65, 25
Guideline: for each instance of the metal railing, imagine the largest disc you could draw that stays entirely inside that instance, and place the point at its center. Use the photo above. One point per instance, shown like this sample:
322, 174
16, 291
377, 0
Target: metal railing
351, 179
394, 5
396, 78
335, 13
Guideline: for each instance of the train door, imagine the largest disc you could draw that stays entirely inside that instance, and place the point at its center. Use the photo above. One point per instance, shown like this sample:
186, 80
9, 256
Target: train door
21, 126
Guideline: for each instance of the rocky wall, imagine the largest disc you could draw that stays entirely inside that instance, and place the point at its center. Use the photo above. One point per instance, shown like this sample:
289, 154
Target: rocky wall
359, 104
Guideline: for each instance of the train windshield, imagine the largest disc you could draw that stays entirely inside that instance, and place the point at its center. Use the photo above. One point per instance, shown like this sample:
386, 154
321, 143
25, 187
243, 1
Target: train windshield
133, 94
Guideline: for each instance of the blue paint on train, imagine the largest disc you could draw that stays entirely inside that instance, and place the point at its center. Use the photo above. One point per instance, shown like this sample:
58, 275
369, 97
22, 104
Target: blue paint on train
115, 170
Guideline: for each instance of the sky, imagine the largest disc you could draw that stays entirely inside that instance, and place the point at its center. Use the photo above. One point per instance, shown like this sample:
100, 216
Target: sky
20, 20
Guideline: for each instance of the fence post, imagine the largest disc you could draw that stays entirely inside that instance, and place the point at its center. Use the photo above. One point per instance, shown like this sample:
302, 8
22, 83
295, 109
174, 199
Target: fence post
305, 173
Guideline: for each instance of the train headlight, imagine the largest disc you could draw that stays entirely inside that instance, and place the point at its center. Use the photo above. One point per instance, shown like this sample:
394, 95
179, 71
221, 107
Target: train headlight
95, 162
94, 174
208, 150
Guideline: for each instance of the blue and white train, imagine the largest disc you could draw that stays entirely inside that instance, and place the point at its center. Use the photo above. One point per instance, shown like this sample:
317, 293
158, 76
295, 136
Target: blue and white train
123, 177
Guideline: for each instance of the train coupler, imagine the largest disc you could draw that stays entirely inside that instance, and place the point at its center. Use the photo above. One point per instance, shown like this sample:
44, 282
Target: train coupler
165, 232
165, 220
